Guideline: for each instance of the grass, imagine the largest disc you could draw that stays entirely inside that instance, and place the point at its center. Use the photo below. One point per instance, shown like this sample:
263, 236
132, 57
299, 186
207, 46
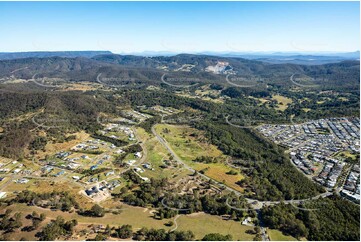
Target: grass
43, 186
189, 143
51, 148
276, 235
205, 98
201, 224
283, 102
156, 153
345, 154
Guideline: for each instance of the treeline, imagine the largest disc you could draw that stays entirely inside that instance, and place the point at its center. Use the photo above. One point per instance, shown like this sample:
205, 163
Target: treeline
144, 234
54, 200
324, 219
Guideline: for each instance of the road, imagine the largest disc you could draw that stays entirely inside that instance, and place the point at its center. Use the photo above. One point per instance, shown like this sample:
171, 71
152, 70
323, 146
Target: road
255, 204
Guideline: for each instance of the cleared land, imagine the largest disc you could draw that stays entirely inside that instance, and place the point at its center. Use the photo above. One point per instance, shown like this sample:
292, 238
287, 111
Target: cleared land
276, 235
189, 143
283, 102
200, 223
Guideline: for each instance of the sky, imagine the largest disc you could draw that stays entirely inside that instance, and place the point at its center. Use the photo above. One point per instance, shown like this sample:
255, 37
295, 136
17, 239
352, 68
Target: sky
128, 27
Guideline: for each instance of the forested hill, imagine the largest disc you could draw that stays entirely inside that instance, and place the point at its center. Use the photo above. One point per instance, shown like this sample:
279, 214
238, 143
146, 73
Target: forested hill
202, 67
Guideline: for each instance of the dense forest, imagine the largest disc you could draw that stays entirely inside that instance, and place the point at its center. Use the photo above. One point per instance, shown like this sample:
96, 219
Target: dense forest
324, 219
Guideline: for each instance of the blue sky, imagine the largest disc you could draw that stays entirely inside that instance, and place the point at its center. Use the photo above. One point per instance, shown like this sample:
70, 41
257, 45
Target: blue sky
124, 27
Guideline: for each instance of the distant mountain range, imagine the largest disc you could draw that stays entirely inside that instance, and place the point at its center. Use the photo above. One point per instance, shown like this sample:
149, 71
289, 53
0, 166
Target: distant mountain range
304, 58
150, 69
43, 54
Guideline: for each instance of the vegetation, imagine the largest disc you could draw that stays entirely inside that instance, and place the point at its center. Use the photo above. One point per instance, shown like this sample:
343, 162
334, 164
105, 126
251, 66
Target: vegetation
116, 142
8, 223
217, 237
325, 219
31, 117
56, 229
95, 211
54, 200
162, 235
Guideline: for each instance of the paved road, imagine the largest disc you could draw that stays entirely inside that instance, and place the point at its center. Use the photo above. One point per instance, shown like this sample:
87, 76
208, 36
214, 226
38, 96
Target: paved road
255, 204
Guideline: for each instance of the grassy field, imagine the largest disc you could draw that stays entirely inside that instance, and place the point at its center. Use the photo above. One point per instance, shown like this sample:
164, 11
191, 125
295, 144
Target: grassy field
282, 102
43, 186
200, 224
189, 143
155, 153
345, 154
51, 148
276, 235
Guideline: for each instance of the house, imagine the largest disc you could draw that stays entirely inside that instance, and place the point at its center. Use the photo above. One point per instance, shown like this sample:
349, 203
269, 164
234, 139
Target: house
131, 162
138, 154
60, 173
2, 195
109, 173
73, 165
147, 166
137, 169
22, 181
16, 171
91, 191
144, 178
247, 221
119, 151
93, 179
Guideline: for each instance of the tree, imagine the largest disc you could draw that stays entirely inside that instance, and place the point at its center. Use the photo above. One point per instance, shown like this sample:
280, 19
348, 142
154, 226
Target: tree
34, 214
97, 211
125, 231
108, 230
258, 237
100, 237
35, 223
217, 237
234, 215
42, 216
257, 229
